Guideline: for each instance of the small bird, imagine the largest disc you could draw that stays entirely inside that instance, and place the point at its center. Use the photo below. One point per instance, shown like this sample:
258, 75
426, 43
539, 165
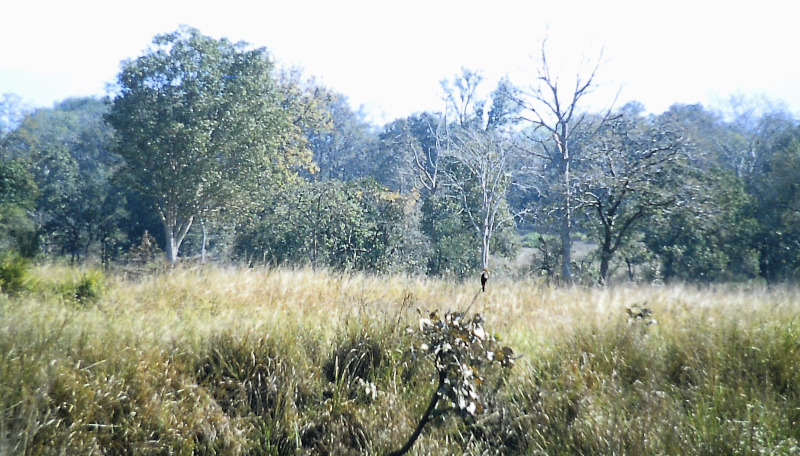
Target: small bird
484, 278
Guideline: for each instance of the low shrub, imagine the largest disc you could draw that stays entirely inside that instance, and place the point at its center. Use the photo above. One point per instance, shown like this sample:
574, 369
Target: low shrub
13, 273
85, 289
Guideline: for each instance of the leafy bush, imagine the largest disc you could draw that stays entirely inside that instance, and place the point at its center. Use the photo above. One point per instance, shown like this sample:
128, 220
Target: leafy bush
460, 349
453, 240
354, 225
13, 272
86, 288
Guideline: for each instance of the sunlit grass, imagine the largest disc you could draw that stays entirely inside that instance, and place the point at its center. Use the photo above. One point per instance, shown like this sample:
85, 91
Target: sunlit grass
225, 360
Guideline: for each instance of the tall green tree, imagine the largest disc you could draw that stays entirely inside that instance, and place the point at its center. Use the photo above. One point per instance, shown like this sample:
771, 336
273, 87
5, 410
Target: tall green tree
342, 145
708, 234
452, 238
343, 225
200, 124
67, 150
775, 186
630, 171
408, 154
18, 194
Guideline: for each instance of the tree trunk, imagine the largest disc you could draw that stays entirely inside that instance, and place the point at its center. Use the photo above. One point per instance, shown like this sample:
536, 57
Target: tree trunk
566, 249
606, 252
566, 223
172, 247
669, 267
486, 239
631, 275
175, 232
562, 140
605, 257
203, 247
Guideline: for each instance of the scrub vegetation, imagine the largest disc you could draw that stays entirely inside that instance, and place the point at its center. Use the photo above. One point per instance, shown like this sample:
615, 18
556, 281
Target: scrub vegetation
229, 360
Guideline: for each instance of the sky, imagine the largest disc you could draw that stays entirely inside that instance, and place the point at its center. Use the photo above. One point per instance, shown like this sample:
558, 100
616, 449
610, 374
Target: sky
389, 56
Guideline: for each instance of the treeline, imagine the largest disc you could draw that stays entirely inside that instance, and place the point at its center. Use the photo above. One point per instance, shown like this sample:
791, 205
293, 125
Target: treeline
208, 147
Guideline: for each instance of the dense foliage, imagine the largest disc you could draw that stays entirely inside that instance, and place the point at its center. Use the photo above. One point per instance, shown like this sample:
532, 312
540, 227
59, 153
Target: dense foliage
200, 128
345, 225
216, 153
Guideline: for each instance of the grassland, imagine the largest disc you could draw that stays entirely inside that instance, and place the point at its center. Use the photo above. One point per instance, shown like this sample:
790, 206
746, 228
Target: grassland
220, 360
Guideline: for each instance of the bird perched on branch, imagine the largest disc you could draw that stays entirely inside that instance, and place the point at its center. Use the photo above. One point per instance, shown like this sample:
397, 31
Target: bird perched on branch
484, 278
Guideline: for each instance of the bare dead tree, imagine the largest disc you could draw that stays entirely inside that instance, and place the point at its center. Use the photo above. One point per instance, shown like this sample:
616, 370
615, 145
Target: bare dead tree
462, 98
425, 161
479, 176
477, 155
557, 120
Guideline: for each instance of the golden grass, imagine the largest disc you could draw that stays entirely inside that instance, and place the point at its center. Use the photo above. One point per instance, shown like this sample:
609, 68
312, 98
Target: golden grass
195, 303
146, 335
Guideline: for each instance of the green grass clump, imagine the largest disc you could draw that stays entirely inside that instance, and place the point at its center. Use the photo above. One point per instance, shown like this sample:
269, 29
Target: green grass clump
13, 273
701, 388
261, 361
86, 288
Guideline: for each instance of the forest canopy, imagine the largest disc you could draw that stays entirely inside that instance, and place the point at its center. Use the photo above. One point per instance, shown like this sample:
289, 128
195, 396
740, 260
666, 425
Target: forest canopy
217, 152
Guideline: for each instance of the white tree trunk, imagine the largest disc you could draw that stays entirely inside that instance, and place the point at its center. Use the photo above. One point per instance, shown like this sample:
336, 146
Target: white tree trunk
175, 232
566, 230
486, 239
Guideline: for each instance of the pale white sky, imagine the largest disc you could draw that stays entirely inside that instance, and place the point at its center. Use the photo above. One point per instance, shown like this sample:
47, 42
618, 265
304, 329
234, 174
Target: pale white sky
390, 56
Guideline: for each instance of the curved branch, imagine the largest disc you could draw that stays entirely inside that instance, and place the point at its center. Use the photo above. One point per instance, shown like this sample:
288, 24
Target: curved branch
425, 417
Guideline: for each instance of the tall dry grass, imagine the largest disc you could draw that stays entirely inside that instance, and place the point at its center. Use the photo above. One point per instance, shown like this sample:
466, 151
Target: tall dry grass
224, 360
